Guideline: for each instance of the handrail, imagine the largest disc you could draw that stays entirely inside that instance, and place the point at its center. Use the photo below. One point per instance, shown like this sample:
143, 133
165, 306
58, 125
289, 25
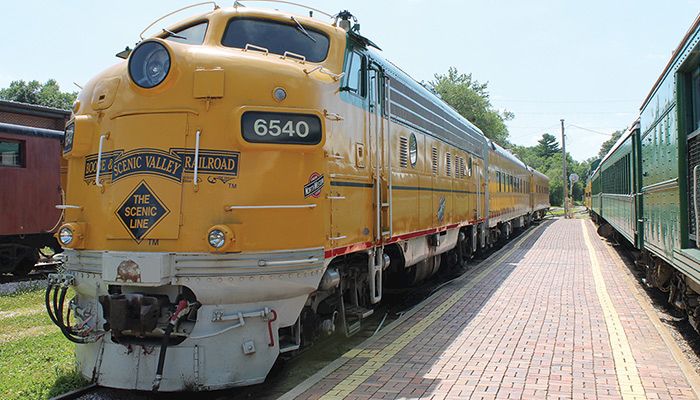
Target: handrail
390, 188
249, 46
660, 185
264, 263
175, 12
99, 159
240, 3
695, 204
68, 207
280, 206
289, 54
321, 69
196, 157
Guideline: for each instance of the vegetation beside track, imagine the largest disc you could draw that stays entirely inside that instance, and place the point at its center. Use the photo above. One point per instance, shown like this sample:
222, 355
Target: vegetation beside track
36, 361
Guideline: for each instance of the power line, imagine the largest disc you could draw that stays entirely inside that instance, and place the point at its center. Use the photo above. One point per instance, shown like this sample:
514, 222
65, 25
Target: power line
590, 130
563, 101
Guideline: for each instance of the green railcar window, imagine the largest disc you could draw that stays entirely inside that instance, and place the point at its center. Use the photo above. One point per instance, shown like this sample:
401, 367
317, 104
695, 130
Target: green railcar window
695, 99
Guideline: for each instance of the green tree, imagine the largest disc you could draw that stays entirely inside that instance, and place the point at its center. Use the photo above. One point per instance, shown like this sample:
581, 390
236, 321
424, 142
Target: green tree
33, 92
608, 144
547, 146
470, 98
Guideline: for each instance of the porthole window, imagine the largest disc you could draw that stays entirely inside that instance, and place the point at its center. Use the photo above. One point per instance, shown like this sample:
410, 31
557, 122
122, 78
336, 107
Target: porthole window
413, 149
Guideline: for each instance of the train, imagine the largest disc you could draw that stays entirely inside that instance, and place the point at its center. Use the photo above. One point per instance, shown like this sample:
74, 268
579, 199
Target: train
30, 175
248, 181
645, 190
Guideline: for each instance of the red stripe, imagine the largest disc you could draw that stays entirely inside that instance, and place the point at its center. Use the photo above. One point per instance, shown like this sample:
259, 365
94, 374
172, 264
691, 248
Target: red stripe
339, 251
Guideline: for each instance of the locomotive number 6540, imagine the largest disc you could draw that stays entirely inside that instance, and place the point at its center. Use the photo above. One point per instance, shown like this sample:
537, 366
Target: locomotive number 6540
281, 128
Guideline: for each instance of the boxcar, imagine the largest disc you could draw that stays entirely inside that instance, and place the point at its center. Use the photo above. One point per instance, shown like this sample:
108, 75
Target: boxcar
30, 189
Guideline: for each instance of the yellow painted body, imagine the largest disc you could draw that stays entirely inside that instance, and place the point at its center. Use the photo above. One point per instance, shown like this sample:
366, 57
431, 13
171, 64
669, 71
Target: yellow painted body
207, 90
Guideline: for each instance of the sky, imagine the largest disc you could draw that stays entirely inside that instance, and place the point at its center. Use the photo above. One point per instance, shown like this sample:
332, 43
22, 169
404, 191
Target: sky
591, 62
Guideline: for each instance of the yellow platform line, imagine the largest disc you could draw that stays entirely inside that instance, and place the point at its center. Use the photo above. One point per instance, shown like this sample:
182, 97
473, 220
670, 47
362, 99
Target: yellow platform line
625, 365
643, 300
377, 360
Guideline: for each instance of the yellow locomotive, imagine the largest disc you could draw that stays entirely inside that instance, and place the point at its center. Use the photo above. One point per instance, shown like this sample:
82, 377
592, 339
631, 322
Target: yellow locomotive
249, 180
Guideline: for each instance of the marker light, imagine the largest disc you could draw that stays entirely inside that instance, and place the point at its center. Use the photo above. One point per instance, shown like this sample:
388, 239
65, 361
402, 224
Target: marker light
149, 64
279, 94
65, 236
217, 238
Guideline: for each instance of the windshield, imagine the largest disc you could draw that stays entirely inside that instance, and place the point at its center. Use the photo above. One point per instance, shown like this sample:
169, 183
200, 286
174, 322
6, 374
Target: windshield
192, 35
277, 37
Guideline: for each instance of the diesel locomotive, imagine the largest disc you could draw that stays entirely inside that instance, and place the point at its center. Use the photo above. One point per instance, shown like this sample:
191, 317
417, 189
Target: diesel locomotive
249, 180
645, 190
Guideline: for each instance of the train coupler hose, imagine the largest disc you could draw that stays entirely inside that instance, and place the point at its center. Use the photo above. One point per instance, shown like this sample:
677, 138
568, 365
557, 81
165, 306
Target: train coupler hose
54, 300
181, 311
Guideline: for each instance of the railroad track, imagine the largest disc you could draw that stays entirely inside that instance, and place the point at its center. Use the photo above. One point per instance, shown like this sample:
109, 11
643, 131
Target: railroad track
41, 271
77, 393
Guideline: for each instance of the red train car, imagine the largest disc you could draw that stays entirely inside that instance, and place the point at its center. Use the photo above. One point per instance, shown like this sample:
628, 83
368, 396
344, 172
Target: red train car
30, 189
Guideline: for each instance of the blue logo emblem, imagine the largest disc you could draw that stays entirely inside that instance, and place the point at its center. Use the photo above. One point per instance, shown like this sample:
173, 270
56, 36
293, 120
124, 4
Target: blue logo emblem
141, 211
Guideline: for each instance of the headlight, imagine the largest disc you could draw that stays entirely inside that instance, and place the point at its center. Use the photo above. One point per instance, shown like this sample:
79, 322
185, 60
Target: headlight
149, 64
65, 236
68, 138
217, 238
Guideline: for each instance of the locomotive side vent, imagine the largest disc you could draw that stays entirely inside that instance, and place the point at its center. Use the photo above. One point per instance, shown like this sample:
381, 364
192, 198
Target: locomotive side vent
448, 164
403, 145
435, 160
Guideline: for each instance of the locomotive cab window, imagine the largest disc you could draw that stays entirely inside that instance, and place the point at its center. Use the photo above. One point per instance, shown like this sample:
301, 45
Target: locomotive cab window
191, 35
11, 154
277, 37
354, 67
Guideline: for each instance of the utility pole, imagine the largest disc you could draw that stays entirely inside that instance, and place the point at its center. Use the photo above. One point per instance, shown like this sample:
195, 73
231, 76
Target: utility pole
566, 181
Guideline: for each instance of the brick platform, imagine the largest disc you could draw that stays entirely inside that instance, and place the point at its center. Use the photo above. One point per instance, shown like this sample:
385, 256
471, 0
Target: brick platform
553, 315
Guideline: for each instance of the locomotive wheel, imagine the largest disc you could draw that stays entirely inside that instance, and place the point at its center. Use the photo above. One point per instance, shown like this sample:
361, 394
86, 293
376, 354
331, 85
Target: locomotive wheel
25, 265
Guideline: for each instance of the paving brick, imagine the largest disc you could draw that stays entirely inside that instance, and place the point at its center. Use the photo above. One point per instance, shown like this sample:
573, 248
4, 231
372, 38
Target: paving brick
553, 318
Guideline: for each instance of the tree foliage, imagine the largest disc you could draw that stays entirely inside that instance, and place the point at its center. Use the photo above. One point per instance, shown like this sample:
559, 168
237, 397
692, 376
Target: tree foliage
48, 94
546, 157
470, 98
547, 146
608, 144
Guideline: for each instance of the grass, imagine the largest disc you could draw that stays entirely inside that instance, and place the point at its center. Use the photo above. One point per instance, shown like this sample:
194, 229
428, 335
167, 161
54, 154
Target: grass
36, 361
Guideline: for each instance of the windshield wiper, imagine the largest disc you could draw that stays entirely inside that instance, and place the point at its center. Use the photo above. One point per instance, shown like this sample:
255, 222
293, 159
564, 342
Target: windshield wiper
173, 34
302, 30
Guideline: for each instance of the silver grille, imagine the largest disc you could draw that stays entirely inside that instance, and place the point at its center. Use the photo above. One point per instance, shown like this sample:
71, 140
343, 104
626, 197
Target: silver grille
403, 151
435, 160
448, 164
693, 160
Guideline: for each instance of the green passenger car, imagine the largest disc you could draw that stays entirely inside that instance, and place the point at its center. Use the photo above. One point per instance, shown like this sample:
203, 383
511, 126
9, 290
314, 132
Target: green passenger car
648, 186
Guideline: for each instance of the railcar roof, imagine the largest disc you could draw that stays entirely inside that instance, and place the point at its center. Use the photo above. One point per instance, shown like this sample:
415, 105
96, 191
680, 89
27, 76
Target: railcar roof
33, 109
677, 52
474, 136
507, 154
621, 140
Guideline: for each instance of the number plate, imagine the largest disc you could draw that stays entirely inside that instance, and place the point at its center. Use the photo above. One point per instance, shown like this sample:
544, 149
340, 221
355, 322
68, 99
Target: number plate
281, 128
